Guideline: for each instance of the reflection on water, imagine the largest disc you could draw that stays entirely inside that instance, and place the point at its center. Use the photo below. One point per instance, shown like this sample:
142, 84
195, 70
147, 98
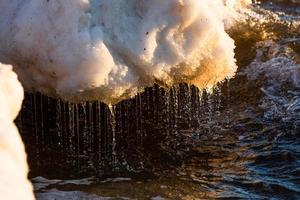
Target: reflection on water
240, 142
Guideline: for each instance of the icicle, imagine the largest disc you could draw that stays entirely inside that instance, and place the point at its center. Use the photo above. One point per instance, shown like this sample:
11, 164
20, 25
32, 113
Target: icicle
168, 110
105, 137
139, 118
112, 109
154, 102
176, 108
77, 134
98, 133
41, 122
228, 99
218, 100
148, 99
84, 127
58, 121
189, 106
64, 127
141, 114
210, 112
34, 102
71, 128
199, 107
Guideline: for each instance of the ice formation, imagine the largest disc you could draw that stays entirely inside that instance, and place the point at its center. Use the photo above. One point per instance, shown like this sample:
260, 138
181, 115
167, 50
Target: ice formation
111, 49
13, 169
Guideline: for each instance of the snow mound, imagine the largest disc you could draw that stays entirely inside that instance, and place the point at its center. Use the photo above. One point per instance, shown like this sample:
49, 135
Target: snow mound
13, 169
111, 49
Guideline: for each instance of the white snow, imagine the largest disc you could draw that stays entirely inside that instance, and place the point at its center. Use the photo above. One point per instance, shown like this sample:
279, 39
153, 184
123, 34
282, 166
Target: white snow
13, 168
110, 49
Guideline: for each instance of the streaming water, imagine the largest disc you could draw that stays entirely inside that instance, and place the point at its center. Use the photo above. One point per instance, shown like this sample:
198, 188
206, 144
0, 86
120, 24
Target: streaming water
241, 140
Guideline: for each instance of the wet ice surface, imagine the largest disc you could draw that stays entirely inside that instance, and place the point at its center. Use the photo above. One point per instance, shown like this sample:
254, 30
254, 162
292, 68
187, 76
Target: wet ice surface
246, 144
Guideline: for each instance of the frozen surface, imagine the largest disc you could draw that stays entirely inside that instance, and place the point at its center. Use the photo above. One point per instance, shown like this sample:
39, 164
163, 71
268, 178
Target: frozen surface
110, 49
13, 168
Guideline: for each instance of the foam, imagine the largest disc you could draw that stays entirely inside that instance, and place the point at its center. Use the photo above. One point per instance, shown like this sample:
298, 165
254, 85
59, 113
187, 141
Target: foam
13, 169
111, 49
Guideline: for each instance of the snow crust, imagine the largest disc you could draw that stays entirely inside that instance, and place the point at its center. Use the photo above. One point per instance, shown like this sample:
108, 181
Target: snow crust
111, 49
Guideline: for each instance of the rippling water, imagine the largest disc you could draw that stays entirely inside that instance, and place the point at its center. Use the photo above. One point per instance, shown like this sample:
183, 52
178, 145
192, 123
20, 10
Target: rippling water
247, 145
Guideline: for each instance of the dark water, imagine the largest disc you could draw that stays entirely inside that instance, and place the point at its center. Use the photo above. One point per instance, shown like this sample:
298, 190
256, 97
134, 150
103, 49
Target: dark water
239, 141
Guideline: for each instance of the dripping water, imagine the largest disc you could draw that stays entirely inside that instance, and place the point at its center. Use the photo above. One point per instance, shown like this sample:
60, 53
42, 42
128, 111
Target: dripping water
93, 138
